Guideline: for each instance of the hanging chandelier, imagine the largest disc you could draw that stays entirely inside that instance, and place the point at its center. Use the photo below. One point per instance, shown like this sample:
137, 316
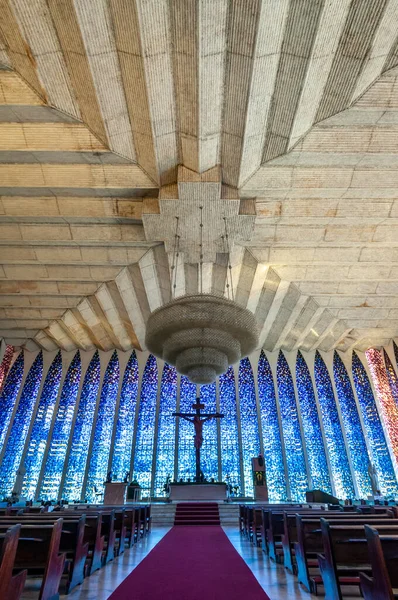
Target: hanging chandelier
201, 334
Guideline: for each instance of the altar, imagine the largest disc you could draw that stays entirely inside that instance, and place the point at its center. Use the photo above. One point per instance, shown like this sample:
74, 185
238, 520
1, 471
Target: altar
198, 491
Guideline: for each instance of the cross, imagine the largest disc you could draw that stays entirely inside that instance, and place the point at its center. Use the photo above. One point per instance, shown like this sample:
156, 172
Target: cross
198, 419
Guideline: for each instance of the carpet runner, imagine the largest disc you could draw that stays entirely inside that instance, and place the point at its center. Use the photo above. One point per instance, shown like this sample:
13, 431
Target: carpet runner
191, 563
197, 513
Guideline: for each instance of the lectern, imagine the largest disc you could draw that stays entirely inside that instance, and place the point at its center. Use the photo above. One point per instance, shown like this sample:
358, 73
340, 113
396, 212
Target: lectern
115, 493
259, 479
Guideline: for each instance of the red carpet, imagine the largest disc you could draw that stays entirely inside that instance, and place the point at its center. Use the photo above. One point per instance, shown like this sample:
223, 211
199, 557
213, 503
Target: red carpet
191, 563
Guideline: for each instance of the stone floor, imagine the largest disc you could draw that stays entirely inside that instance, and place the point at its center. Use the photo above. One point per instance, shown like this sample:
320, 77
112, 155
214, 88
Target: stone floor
275, 580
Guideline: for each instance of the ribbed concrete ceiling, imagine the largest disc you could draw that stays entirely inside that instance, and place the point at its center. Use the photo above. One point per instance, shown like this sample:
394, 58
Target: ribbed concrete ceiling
295, 101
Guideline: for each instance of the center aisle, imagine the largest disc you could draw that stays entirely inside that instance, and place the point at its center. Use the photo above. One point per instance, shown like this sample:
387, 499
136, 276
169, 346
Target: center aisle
191, 563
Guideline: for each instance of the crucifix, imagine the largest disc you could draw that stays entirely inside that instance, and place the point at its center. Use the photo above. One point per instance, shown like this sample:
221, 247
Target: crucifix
198, 418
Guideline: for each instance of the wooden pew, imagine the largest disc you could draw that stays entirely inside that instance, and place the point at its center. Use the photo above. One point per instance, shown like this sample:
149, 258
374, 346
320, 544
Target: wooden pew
383, 556
273, 528
79, 539
130, 526
310, 542
38, 552
289, 537
11, 586
345, 555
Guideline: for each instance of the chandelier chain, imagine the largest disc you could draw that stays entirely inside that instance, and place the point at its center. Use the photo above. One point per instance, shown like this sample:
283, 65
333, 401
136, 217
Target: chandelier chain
229, 272
175, 260
201, 251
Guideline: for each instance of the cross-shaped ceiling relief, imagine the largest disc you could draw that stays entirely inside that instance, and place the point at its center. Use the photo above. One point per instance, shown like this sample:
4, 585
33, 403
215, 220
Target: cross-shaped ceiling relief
195, 199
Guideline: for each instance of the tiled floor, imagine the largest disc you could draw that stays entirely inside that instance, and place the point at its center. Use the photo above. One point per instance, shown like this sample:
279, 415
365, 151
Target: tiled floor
275, 580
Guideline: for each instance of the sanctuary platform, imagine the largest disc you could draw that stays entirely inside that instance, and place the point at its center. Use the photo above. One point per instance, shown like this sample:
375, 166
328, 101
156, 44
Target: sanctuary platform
198, 491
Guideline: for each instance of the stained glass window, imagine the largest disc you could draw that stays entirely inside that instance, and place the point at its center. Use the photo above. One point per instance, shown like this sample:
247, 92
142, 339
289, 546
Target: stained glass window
166, 430
312, 428
291, 431
374, 430
230, 454
209, 450
19, 429
41, 428
249, 422
101, 446
146, 425
186, 450
82, 431
353, 428
388, 407
273, 456
333, 433
9, 395
392, 377
60, 436
125, 421
6, 363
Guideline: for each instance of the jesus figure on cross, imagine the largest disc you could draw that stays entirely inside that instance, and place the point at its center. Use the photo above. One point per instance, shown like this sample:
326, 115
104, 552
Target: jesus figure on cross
198, 419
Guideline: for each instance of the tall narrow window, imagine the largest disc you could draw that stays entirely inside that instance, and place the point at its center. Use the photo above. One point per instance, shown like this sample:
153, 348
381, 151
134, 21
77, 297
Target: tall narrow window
380, 455
19, 428
6, 363
392, 377
60, 436
99, 458
312, 428
9, 395
186, 450
125, 420
41, 428
353, 428
146, 425
291, 431
273, 456
388, 407
230, 464
333, 433
166, 430
249, 422
209, 451
77, 460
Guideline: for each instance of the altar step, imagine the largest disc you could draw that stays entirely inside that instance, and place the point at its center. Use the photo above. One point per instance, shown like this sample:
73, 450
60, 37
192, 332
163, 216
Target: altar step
195, 513
163, 514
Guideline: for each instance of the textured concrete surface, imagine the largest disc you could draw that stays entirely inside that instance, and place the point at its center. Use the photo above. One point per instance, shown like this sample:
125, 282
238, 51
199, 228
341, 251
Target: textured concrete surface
116, 114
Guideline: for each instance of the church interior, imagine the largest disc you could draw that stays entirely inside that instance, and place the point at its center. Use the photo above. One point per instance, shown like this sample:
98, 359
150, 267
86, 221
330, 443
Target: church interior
198, 299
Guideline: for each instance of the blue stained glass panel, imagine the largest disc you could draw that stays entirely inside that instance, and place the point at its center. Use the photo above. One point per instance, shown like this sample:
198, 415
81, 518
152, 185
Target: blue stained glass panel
230, 453
125, 421
311, 427
82, 431
353, 428
143, 454
333, 433
101, 446
9, 395
249, 422
291, 431
374, 430
166, 430
60, 436
186, 432
19, 428
209, 450
41, 428
273, 454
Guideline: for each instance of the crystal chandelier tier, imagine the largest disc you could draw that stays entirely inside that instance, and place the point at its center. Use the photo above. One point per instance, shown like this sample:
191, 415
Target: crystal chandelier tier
201, 335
